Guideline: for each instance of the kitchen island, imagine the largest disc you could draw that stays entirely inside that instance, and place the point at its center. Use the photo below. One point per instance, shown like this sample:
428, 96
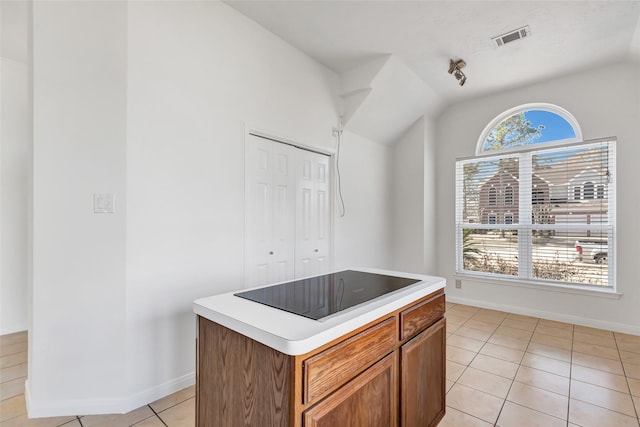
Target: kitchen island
376, 363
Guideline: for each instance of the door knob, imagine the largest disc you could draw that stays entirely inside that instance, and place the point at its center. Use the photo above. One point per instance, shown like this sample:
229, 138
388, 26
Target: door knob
270, 252
315, 250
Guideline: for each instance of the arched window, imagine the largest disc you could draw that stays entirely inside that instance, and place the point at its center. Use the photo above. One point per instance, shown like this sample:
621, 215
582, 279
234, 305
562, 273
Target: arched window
526, 201
529, 124
508, 196
493, 196
588, 190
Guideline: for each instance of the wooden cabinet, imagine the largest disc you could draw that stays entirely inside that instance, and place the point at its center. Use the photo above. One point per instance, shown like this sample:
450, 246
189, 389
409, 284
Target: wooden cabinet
367, 401
422, 386
390, 372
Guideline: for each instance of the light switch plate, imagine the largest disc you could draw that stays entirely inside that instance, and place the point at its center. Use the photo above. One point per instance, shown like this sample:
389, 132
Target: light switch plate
103, 203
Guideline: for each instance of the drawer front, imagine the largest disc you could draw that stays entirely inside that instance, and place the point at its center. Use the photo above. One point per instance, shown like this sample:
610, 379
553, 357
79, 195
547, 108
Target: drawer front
420, 316
328, 370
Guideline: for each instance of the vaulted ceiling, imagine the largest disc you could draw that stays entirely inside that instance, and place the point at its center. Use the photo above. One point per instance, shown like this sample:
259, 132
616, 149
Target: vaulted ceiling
566, 36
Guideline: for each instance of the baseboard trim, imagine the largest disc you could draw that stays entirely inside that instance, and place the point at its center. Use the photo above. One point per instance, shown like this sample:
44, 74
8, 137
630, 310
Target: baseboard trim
69, 407
72, 407
13, 330
154, 393
559, 317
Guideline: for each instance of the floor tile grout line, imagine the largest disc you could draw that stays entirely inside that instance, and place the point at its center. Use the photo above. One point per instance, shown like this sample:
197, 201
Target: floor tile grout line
504, 402
157, 415
624, 371
573, 328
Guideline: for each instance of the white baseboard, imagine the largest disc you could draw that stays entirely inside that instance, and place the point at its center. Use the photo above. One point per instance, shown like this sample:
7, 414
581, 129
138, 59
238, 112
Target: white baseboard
71, 407
152, 394
13, 329
560, 317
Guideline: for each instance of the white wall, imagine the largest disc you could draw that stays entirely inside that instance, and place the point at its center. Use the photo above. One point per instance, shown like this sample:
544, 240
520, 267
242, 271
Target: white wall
113, 293
606, 102
414, 189
197, 72
408, 199
77, 330
15, 149
363, 235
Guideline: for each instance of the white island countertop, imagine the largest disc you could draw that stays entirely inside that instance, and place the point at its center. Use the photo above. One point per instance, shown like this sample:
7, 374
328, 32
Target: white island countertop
293, 334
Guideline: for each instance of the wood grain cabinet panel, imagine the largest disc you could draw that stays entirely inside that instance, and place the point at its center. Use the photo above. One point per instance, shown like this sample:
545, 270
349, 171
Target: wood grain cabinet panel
421, 316
333, 367
367, 401
422, 388
240, 382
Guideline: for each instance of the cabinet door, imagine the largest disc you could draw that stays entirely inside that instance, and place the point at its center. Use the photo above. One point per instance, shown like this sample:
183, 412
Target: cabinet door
423, 378
367, 401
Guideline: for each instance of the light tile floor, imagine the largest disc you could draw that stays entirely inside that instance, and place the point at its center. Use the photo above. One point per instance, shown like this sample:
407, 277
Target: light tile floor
175, 410
502, 370
509, 370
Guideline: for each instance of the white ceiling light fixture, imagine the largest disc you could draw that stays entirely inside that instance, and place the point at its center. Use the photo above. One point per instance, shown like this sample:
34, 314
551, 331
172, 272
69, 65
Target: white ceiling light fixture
511, 36
455, 69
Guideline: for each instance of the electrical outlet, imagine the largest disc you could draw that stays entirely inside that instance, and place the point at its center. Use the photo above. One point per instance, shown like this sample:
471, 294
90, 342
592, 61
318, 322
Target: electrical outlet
458, 284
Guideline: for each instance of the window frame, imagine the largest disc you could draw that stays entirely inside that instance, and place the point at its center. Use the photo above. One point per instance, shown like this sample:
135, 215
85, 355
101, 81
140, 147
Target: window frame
526, 107
508, 215
493, 196
588, 191
525, 245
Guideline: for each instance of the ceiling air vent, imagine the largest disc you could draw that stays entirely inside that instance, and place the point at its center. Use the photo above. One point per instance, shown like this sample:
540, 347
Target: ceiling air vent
512, 36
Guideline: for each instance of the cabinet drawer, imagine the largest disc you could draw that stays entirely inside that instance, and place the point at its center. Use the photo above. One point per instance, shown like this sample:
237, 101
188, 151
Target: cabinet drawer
420, 316
333, 367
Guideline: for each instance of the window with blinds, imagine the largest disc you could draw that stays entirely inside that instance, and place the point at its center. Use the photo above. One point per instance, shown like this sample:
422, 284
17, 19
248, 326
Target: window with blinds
539, 215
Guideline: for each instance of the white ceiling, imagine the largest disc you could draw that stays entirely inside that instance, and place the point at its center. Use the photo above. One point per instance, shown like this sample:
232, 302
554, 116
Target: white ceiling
566, 36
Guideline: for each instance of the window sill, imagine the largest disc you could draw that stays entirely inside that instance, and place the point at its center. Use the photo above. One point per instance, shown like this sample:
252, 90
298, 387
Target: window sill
549, 287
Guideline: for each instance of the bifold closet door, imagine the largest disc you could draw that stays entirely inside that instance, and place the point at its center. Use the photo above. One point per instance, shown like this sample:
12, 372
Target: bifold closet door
287, 212
313, 214
269, 211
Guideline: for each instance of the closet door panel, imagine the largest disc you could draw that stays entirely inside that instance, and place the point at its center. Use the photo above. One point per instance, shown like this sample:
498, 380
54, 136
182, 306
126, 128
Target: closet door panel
313, 215
269, 212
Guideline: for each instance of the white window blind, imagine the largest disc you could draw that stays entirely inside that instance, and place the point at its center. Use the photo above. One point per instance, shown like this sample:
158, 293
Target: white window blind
545, 215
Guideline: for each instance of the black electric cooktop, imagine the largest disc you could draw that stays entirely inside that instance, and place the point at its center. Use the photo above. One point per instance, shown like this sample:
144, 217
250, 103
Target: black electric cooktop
321, 296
